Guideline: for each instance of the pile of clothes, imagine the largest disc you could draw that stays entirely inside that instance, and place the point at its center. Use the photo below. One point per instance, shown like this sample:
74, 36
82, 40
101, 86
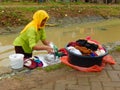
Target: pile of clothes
86, 48
33, 62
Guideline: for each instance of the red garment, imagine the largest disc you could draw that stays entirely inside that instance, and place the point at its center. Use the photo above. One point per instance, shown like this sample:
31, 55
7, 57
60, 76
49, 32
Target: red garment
72, 44
63, 50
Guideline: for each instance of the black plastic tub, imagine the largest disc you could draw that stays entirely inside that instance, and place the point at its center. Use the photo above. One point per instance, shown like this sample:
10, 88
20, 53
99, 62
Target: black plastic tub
85, 61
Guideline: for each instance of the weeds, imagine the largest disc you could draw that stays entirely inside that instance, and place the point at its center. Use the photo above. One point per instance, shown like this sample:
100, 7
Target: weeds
54, 67
117, 48
20, 14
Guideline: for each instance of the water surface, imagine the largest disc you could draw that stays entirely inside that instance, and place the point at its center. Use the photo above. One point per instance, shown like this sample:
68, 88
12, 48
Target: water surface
103, 31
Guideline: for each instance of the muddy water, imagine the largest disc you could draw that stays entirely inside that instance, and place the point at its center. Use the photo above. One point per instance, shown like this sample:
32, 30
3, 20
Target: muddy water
103, 31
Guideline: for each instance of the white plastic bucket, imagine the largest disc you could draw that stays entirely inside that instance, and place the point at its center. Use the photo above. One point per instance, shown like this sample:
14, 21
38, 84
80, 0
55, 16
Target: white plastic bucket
16, 61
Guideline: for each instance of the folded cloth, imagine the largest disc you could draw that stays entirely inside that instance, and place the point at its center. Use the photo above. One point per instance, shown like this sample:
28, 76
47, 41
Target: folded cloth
81, 42
84, 50
91, 46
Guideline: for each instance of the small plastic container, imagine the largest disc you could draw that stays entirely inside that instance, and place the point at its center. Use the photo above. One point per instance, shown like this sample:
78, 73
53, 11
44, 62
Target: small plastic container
16, 61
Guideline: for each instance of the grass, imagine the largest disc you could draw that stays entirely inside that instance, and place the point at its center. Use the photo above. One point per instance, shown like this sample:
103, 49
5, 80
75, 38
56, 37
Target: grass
117, 48
54, 67
21, 12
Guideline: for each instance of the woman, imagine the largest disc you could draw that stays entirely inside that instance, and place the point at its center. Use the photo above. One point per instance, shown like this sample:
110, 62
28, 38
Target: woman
27, 41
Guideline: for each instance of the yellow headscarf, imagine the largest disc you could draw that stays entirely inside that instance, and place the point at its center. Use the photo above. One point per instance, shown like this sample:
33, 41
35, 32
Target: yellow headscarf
37, 19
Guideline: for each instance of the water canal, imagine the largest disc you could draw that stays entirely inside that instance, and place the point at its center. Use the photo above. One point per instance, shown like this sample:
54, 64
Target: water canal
103, 31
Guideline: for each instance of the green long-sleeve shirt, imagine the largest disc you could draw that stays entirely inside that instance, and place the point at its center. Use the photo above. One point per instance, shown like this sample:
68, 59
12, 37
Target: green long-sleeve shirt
29, 39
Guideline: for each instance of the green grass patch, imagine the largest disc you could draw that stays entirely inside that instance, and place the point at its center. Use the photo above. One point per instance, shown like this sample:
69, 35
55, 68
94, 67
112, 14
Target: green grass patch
117, 48
54, 67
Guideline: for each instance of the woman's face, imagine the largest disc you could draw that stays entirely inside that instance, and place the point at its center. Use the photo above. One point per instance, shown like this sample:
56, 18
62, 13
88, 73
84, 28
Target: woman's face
43, 22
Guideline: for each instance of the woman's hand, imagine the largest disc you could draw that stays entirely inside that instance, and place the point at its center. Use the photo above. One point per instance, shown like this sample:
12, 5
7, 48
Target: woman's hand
49, 49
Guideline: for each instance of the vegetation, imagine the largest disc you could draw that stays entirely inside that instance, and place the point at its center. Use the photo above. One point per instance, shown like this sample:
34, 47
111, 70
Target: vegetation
117, 48
54, 67
19, 14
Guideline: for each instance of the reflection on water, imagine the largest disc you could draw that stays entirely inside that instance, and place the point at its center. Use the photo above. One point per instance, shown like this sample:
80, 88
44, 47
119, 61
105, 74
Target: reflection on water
87, 31
103, 31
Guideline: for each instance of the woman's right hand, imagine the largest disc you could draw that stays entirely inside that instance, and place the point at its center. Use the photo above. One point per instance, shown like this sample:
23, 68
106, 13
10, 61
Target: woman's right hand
49, 49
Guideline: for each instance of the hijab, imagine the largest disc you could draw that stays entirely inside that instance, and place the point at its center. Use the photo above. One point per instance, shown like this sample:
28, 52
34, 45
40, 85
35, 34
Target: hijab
37, 19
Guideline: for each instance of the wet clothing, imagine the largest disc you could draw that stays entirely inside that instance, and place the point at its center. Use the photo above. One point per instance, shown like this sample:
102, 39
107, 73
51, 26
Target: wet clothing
32, 33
